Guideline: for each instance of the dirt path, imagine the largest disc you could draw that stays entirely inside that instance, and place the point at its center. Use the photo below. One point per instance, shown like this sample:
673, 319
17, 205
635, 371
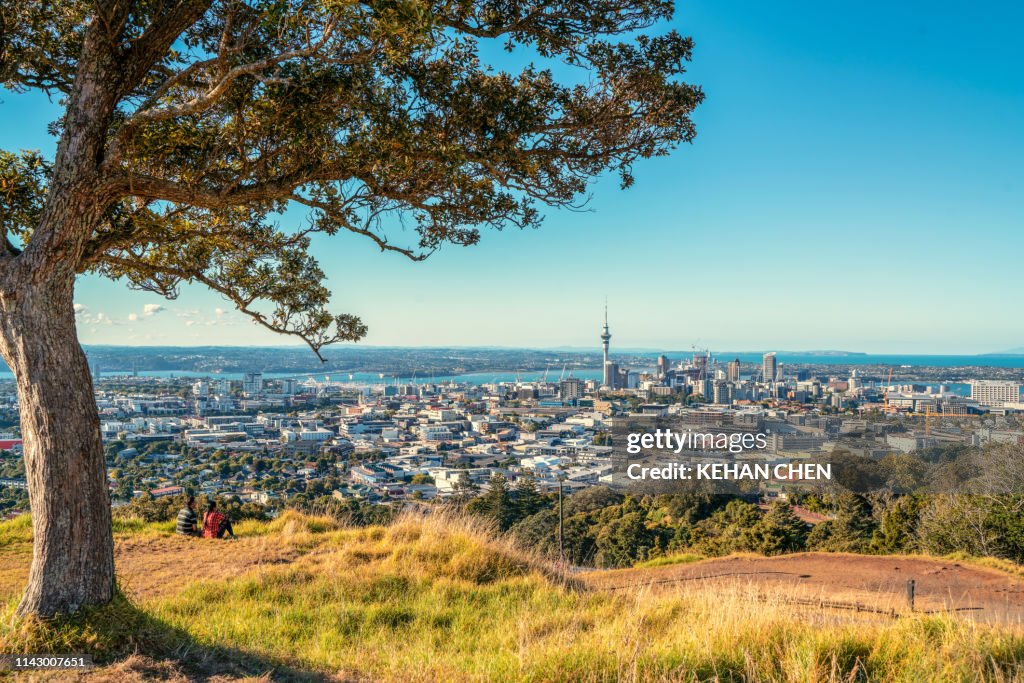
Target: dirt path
876, 582
154, 566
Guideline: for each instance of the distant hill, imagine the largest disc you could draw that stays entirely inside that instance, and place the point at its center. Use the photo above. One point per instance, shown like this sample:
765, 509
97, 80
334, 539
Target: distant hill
1018, 351
405, 362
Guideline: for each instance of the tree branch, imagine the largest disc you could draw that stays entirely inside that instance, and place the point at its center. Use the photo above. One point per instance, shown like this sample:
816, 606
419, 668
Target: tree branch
380, 241
156, 40
244, 304
159, 189
217, 89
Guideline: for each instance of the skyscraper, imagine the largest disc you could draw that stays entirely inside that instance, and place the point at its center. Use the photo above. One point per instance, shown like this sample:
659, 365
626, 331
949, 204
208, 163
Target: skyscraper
700, 361
733, 374
611, 375
769, 367
570, 388
663, 365
721, 393
252, 384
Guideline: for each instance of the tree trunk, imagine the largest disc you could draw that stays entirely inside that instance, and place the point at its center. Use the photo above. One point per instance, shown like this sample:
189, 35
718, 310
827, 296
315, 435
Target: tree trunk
73, 551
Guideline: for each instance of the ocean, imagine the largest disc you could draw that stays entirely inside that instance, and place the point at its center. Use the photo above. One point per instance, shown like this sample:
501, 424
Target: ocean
839, 360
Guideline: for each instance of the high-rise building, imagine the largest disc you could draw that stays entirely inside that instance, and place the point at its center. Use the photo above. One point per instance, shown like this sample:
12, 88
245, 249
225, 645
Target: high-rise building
611, 375
702, 387
700, 361
722, 393
569, 389
663, 365
769, 367
252, 383
733, 371
526, 393
606, 337
995, 394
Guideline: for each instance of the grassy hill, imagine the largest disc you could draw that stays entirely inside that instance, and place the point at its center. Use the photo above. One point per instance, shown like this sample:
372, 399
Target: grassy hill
442, 598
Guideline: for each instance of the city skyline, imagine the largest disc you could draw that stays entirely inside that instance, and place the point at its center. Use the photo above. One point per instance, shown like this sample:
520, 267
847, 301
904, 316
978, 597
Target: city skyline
857, 188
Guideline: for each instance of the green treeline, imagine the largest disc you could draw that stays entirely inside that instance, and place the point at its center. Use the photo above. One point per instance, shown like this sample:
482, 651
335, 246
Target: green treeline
605, 528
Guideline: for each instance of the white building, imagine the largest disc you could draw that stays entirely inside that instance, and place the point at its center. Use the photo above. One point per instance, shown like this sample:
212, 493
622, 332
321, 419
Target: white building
435, 433
994, 393
289, 436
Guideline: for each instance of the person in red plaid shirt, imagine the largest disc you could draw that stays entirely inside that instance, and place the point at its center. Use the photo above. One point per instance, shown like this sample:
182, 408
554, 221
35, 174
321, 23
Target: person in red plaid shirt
215, 525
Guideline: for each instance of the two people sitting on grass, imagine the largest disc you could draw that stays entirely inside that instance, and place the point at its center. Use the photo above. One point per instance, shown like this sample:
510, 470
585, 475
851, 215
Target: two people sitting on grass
215, 525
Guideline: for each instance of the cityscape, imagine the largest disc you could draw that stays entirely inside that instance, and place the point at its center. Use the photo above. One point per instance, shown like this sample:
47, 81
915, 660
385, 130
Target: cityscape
267, 439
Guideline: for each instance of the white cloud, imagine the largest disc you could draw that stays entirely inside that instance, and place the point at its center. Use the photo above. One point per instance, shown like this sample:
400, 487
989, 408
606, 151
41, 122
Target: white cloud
190, 323
152, 309
103, 318
219, 312
80, 308
133, 317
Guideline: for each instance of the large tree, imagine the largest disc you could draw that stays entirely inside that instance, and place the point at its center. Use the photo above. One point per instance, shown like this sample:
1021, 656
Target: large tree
189, 127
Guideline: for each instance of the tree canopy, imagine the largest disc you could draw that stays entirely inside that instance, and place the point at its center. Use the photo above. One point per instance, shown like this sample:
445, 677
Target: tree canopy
192, 129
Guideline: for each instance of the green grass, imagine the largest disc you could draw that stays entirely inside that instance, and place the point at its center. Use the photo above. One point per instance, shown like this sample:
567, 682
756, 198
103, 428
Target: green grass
287, 524
134, 526
667, 560
106, 633
16, 531
19, 529
442, 599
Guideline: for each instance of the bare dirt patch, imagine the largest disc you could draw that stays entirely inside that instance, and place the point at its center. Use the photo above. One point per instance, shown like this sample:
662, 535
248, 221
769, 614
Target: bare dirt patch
156, 566
877, 583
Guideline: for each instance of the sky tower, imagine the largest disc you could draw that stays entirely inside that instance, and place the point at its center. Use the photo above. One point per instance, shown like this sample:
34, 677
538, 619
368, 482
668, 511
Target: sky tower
606, 337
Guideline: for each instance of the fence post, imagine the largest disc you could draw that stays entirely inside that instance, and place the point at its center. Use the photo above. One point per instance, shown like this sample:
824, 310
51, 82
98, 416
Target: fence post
910, 594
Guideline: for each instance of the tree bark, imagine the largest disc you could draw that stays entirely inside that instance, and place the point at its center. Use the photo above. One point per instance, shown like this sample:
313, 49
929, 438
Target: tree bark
73, 549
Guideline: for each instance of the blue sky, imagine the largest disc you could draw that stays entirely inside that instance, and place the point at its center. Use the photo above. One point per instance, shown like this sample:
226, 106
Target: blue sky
857, 183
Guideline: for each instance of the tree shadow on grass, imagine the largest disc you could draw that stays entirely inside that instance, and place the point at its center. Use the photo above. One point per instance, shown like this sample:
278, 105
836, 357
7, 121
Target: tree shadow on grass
120, 631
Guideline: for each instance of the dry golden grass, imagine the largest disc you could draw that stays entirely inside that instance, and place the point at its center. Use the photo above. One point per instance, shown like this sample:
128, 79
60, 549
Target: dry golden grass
443, 598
